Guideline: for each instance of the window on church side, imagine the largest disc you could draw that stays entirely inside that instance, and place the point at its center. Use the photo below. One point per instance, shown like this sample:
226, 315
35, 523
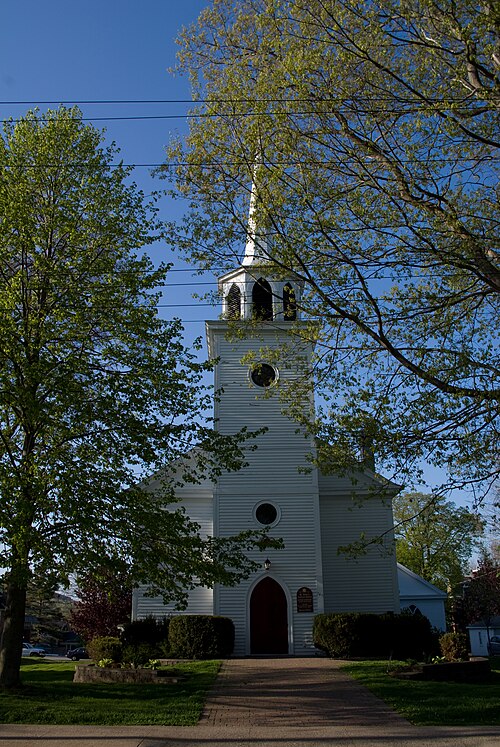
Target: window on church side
233, 303
289, 303
262, 300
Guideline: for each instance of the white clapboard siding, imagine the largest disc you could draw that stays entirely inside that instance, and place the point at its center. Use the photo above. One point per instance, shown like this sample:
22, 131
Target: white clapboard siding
200, 602
367, 583
198, 503
295, 566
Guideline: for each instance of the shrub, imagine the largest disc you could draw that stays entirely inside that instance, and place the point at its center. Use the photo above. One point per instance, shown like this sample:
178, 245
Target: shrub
201, 636
454, 646
105, 663
337, 634
153, 664
354, 634
105, 647
411, 636
152, 630
166, 650
139, 655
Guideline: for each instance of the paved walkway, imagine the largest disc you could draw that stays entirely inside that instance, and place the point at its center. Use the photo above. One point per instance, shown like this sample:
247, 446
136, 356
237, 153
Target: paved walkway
270, 703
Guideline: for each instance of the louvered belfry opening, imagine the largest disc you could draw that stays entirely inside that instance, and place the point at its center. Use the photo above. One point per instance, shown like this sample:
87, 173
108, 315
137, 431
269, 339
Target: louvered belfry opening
262, 300
289, 303
234, 303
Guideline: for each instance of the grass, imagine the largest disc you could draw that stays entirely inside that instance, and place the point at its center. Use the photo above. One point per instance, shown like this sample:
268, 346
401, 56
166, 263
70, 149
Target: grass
434, 703
49, 696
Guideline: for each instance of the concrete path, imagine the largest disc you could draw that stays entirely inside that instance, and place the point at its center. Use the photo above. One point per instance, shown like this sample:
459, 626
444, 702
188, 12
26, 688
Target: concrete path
270, 703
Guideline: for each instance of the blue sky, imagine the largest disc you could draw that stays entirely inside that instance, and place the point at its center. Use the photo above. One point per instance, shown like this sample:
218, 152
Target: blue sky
108, 50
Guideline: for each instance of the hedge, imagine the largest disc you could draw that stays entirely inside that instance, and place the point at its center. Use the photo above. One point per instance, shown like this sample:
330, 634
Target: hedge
354, 634
152, 630
201, 636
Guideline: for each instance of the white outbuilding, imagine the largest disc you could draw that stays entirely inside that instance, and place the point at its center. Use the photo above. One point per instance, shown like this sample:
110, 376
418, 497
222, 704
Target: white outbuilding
480, 633
421, 597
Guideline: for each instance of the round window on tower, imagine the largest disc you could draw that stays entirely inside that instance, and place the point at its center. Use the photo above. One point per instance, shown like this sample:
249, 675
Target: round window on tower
262, 374
266, 514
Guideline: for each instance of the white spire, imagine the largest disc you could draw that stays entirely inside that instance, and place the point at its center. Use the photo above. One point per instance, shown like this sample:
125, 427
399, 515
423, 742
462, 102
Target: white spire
257, 244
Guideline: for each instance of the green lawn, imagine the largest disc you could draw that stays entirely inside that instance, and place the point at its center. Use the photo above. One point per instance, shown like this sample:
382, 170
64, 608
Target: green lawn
49, 696
434, 703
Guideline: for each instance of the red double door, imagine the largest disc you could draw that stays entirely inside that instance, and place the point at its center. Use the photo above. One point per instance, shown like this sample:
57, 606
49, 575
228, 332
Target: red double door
268, 619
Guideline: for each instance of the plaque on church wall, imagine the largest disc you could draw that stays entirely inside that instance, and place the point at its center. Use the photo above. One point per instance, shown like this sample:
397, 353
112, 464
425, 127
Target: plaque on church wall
304, 600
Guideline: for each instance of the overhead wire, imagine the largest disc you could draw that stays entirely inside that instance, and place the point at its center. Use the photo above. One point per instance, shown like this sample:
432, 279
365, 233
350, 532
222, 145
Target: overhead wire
191, 101
278, 164
113, 102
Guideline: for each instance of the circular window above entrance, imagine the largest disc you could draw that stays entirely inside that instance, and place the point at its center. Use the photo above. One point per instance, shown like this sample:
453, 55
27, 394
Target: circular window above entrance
262, 374
266, 514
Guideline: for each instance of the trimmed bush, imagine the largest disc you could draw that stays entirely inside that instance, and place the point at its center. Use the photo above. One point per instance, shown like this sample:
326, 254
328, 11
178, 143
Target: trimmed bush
105, 647
454, 646
362, 635
201, 636
336, 634
145, 639
152, 630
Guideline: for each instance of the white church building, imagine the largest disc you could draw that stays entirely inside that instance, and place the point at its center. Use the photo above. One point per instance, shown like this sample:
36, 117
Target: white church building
314, 513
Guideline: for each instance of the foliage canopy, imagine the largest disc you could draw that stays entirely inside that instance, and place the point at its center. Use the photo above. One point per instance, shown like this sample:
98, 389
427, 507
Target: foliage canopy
435, 538
371, 131
96, 392
104, 602
480, 602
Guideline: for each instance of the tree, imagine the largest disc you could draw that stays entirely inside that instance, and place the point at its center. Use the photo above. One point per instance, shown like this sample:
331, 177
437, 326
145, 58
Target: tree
104, 602
435, 538
96, 392
481, 592
370, 129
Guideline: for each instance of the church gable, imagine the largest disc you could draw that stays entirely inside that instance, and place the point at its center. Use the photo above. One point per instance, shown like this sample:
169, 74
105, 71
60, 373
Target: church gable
361, 482
197, 501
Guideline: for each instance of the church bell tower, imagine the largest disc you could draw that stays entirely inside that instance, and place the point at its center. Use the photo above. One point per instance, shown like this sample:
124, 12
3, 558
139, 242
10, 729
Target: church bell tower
273, 610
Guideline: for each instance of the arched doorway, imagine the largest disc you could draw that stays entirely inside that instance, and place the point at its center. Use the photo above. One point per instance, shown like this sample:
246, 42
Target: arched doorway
268, 618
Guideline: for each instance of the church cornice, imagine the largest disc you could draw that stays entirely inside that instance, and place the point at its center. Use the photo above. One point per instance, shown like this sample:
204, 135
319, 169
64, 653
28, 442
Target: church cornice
253, 329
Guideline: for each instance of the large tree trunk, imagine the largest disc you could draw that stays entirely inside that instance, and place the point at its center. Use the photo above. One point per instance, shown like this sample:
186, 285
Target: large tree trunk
11, 642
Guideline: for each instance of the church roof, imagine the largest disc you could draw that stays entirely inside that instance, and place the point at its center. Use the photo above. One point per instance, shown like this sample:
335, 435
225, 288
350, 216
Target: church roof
363, 480
481, 624
412, 585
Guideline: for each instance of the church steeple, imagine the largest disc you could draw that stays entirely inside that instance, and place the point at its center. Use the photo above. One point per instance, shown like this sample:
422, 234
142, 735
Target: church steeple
258, 289
257, 249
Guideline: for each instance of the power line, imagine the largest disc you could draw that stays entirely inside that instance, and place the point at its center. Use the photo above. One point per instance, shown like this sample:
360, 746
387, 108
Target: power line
209, 115
284, 100
270, 164
69, 102
398, 107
